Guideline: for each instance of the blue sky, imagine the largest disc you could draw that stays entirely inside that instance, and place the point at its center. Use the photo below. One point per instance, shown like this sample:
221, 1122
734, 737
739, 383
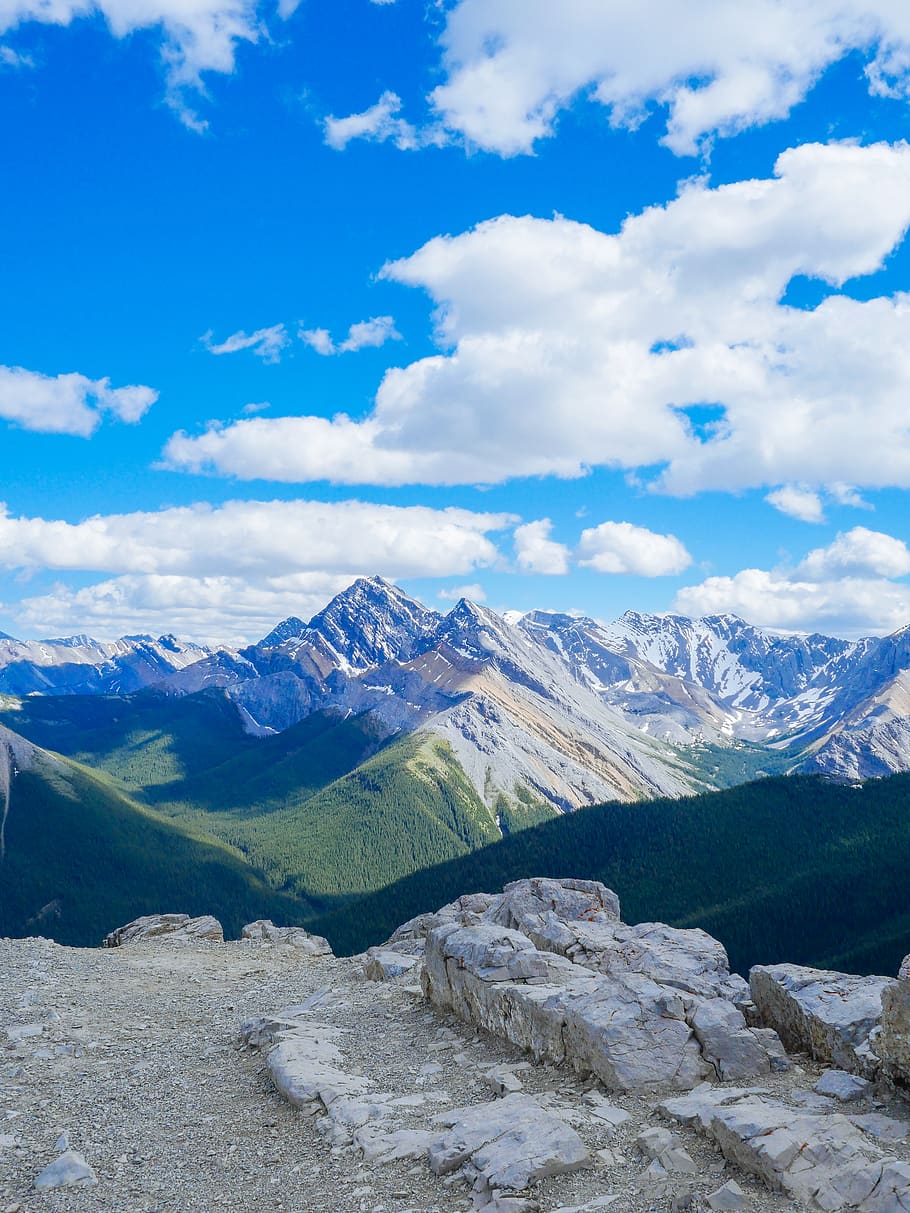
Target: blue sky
591, 313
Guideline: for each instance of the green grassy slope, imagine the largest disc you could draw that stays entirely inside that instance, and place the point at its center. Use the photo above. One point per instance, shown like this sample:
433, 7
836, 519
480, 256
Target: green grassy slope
269, 774
92, 859
784, 869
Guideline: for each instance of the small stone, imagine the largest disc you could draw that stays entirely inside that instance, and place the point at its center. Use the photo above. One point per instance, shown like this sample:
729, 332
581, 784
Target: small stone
62, 1143
385, 965
653, 1142
25, 1031
684, 1202
69, 1170
729, 1196
612, 1116
839, 1085
502, 1080
677, 1160
608, 1157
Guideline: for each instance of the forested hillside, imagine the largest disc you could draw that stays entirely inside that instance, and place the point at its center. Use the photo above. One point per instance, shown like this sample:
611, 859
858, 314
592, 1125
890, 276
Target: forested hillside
80, 859
786, 869
324, 812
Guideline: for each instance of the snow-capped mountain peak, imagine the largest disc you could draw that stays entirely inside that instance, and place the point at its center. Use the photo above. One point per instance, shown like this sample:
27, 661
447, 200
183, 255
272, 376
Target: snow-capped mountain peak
373, 621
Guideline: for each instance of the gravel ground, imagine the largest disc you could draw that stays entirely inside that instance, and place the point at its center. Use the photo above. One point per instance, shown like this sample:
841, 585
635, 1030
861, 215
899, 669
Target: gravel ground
138, 1064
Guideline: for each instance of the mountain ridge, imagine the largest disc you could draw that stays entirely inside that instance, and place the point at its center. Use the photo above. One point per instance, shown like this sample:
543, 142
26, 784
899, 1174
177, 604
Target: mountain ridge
564, 709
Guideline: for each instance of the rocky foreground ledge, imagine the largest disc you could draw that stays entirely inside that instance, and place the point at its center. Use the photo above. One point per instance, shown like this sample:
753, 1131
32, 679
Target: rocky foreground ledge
513, 1052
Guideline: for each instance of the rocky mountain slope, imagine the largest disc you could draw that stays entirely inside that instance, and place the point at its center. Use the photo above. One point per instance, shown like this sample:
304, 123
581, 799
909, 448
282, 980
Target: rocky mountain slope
573, 711
540, 708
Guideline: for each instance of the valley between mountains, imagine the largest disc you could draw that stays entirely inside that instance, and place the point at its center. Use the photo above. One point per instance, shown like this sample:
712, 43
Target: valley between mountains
382, 748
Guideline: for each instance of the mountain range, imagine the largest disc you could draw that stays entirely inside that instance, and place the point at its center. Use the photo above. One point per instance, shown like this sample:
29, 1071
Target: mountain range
341, 771
541, 709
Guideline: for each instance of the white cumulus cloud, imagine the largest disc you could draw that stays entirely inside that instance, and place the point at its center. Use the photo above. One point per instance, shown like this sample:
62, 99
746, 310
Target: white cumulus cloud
664, 346
214, 610
621, 547
473, 592
366, 334
379, 123
536, 552
711, 66
249, 561
857, 553
852, 587
198, 36
798, 502
67, 404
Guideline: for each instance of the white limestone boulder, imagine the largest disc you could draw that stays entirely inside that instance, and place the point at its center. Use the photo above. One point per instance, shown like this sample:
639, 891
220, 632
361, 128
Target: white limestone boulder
821, 1160
844, 1087
633, 1033
263, 930
512, 1143
832, 1016
307, 1067
176, 927
893, 1044
410, 937
733, 1049
69, 1170
548, 911
383, 964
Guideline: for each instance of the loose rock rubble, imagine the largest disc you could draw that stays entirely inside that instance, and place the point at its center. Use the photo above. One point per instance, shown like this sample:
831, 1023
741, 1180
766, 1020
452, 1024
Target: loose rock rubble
348, 1095
823, 1159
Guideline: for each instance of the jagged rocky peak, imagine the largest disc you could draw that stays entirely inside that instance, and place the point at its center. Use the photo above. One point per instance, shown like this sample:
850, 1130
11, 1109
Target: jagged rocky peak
477, 631
80, 665
289, 629
555, 621
6, 636
372, 622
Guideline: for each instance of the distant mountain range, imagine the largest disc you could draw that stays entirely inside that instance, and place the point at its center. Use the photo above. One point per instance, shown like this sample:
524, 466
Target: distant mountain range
543, 710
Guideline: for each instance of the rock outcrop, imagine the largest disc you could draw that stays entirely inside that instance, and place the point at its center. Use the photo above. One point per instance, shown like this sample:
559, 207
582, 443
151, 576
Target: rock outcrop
832, 1016
173, 926
549, 966
822, 1159
390, 1102
500, 1146
263, 930
893, 1044
382, 964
